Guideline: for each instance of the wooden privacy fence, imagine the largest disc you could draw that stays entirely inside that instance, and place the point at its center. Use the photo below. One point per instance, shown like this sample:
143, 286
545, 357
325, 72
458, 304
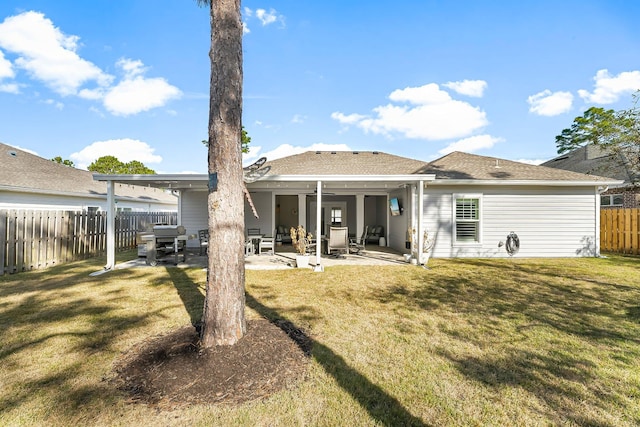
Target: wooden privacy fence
620, 230
34, 239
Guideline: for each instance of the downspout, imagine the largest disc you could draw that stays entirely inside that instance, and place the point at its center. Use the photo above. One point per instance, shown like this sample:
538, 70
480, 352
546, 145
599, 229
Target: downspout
318, 267
111, 226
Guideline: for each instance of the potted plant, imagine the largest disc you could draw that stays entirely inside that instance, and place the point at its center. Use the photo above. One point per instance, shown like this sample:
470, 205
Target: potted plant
427, 245
301, 241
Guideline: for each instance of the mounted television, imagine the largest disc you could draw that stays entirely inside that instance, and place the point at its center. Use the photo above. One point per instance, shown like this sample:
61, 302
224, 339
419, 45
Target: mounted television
394, 207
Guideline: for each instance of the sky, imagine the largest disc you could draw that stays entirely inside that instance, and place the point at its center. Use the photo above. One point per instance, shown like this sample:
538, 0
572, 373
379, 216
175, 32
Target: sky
415, 78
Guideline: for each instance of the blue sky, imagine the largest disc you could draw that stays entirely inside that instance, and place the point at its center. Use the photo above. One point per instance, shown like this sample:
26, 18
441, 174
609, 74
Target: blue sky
419, 79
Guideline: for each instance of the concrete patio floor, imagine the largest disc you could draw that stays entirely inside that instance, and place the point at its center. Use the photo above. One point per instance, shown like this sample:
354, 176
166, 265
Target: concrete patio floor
283, 258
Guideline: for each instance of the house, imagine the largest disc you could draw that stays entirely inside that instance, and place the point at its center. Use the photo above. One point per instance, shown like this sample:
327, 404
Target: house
469, 204
28, 181
592, 159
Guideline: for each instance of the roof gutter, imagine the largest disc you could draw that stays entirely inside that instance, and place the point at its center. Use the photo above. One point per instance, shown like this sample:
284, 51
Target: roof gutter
548, 183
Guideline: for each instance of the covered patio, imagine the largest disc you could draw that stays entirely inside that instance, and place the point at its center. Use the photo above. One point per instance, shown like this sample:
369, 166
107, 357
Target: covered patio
324, 189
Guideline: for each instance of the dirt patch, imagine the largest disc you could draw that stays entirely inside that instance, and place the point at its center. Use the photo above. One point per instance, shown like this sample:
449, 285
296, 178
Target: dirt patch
170, 371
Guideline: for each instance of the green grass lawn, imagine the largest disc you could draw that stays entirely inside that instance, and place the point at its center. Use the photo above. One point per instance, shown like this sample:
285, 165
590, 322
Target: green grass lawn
467, 342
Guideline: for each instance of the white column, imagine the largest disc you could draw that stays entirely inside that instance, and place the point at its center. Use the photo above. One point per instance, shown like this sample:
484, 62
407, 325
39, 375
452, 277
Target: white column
359, 215
319, 228
420, 225
302, 210
111, 226
412, 220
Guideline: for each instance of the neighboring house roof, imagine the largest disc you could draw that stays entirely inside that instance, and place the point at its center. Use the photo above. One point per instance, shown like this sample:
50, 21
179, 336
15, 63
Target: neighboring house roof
21, 171
344, 163
593, 160
460, 166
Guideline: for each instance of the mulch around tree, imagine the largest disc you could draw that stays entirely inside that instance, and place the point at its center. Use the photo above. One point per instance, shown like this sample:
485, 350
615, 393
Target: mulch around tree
171, 371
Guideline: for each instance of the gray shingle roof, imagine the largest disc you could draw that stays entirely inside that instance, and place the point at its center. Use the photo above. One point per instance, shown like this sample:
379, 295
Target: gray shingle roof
454, 166
461, 166
344, 163
21, 170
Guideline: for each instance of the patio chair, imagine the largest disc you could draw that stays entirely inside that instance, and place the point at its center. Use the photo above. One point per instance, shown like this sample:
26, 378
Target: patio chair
357, 245
249, 249
203, 237
338, 241
267, 243
254, 236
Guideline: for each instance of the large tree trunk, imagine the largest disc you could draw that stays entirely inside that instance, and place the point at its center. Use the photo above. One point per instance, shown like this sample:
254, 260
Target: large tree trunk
224, 318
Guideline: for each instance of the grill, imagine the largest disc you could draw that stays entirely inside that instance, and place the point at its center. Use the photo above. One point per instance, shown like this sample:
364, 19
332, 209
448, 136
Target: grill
165, 240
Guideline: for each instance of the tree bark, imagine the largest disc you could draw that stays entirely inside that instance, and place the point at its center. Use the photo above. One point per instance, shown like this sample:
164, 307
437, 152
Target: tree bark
224, 306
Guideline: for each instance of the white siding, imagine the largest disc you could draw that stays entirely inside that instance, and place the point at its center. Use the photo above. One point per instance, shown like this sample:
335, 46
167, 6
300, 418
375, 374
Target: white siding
263, 201
549, 221
398, 225
193, 213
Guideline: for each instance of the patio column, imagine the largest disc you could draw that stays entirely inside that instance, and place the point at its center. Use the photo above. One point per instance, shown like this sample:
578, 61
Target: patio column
302, 210
318, 266
359, 215
420, 225
111, 226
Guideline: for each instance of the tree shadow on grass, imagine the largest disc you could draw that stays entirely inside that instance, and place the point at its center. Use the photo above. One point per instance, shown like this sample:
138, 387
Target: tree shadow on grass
382, 407
556, 380
190, 292
73, 328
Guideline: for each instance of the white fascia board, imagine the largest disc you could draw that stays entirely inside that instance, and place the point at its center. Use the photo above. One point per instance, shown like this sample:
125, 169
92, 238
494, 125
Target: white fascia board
162, 178
548, 183
343, 178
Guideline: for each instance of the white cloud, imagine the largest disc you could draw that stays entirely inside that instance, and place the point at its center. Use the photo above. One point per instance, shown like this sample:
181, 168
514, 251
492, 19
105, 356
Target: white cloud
474, 88
6, 69
546, 103
424, 95
265, 17
125, 150
135, 93
285, 150
139, 94
433, 115
131, 68
9, 88
350, 119
51, 57
471, 144
47, 54
298, 118
58, 105
608, 88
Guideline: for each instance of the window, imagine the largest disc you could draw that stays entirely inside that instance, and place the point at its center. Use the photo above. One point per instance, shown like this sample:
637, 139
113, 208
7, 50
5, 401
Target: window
611, 200
467, 219
336, 216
